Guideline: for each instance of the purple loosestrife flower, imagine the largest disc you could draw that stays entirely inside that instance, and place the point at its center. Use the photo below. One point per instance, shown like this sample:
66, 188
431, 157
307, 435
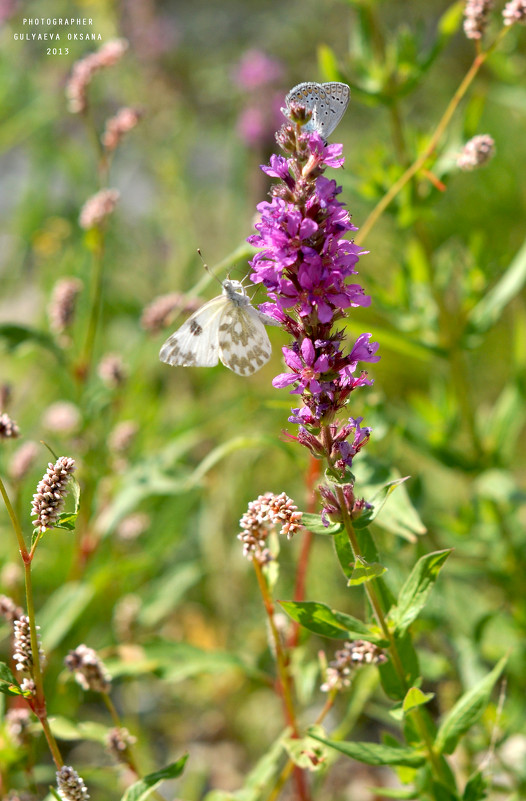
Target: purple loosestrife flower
305, 263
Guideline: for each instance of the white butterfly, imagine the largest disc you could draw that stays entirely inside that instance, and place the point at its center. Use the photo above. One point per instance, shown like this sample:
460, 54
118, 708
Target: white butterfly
327, 101
226, 328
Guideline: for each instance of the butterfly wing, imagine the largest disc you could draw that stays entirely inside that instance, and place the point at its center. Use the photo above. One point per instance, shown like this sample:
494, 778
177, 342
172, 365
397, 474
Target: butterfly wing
195, 344
327, 102
244, 346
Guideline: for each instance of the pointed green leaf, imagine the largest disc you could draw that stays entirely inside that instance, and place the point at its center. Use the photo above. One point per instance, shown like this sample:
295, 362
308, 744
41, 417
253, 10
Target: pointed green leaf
16, 335
344, 553
140, 790
62, 610
476, 788
8, 683
320, 619
393, 686
467, 711
451, 19
66, 521
375, 753
315, 524
419, 584
328, 64
490, 308
365, 571
394, 792
415, 697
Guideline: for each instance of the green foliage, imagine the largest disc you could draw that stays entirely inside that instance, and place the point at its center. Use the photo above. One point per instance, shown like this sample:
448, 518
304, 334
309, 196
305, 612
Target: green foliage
143, 788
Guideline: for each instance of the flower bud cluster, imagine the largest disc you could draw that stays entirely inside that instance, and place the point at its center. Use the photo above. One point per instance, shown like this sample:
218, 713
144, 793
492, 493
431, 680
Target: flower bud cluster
89, 671
264, 515
477, 152
515, 12
9, 610
476, 17
63, 303
70, 786
347, 659
8, 427
118, 741
116, 127
23, 652
98, 207
48, 501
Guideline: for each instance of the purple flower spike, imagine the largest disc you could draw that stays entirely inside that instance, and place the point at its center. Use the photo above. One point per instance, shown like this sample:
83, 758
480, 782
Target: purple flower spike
305, 263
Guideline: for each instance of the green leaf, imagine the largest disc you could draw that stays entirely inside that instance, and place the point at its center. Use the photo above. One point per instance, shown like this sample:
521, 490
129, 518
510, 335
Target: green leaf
8, 683
314, 523
321, 619
415, 697
467, 711
328, 64
376, 753
344, 553
489, 309
393, 686
66, 521
451, 19
61, 611
141, 790
476, 788
65, 729
16, 335
365, 571
419, 584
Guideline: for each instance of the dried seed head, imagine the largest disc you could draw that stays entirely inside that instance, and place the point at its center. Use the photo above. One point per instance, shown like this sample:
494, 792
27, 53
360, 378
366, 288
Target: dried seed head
22, 651
48, 500
477, 152
163, 309
70, 786
111, 370
98, 207
63, 303
262, 516
350, 656
62, 417
18, 721
515, 12
8, 427
9, 610
118, 741
23, 460
476, 14
120, 124
89, 671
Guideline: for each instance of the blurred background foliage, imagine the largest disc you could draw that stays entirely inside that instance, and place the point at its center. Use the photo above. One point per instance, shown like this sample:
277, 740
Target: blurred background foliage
172, 606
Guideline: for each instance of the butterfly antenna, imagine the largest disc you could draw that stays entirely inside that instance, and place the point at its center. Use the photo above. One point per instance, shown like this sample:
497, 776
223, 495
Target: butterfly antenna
207, 268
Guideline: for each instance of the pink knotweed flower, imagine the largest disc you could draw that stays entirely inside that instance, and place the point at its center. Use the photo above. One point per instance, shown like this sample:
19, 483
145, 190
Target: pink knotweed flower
70, 786
116, 127
89, 671
48, 500
121, 438
63, 304
477, 152
163, 309
8, 427
262, 516
28, 687
9, 610
85, 68
18, 721
118, 741
98, 207
349, 657
22, 651
515, 12
62, 417
112, 371
476, 17
132, 526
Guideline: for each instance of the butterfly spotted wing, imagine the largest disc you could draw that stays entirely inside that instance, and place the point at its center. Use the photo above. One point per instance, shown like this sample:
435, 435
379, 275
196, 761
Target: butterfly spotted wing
327, 101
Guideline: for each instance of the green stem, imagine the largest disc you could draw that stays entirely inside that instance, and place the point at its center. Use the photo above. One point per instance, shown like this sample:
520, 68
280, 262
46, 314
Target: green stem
15, 522
374, 600
86, 360
381, 206
284, 680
